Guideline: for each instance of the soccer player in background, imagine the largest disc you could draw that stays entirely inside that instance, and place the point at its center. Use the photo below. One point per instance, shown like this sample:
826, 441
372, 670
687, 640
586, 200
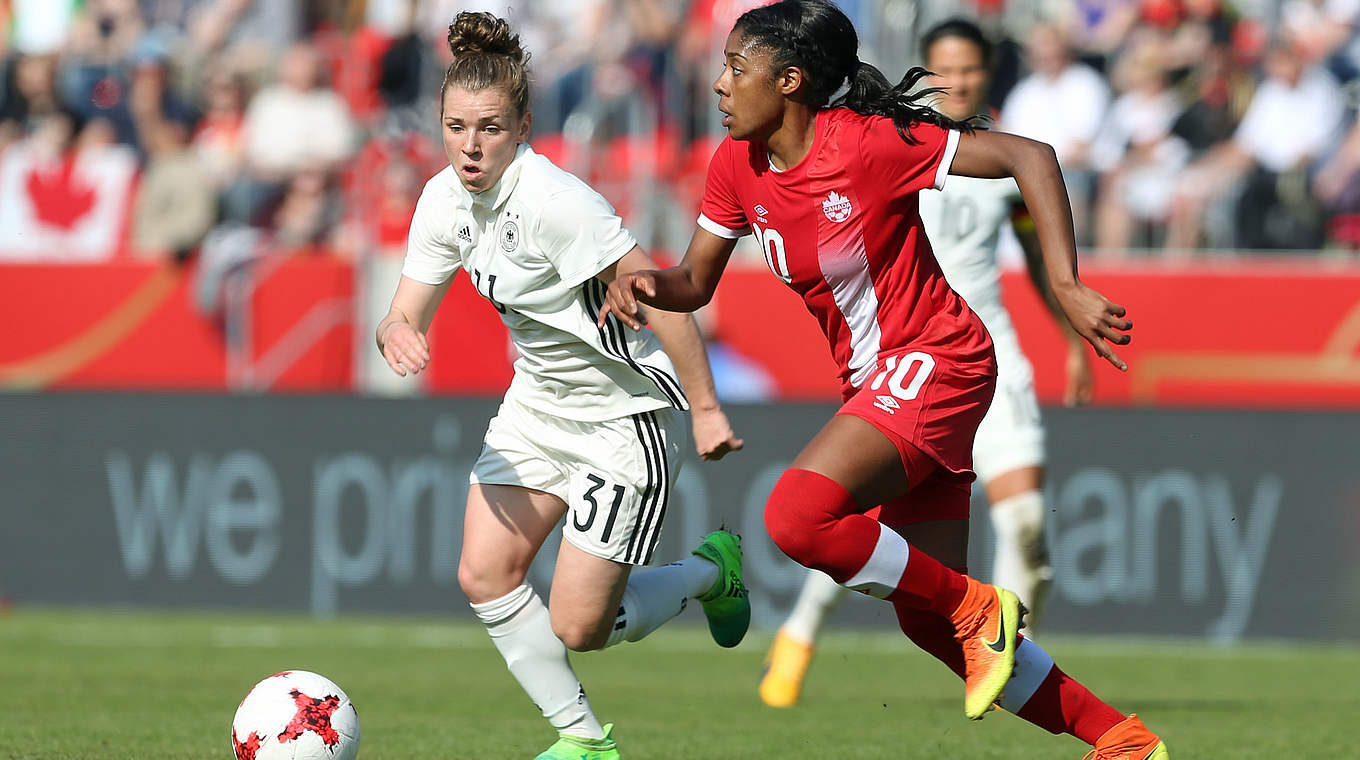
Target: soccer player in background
592, 426
883, 489
963, 222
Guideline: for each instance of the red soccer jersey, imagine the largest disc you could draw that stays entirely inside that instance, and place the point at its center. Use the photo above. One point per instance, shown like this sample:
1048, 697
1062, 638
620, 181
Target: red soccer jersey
842, 229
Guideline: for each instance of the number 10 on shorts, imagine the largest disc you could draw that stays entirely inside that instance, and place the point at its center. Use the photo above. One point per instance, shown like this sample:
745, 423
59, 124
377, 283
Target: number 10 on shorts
895, 371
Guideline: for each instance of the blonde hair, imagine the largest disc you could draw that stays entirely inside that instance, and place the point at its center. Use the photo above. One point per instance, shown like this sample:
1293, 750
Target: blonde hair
486, 53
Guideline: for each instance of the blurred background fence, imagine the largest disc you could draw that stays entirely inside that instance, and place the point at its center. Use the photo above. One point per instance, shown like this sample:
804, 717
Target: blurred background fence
203, 209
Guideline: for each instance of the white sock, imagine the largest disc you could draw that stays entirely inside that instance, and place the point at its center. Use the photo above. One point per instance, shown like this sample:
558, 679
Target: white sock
820, 593
522, 630
654, 596
1032, 666
1021, 563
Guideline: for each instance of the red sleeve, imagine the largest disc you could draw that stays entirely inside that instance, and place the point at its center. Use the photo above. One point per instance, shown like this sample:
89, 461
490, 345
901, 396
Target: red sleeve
720, 212
903, 167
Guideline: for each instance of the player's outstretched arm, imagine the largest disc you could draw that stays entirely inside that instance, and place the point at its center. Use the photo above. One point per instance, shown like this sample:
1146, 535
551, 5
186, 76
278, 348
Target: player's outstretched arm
1080, 382
686, 286
679, 336
401, 334
1035, 168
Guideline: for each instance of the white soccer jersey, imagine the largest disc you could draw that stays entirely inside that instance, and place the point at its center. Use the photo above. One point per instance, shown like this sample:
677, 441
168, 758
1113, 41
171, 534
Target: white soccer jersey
533, 244
963, 223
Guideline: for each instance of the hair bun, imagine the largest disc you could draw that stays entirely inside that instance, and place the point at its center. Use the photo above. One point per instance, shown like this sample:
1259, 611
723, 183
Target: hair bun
483, 33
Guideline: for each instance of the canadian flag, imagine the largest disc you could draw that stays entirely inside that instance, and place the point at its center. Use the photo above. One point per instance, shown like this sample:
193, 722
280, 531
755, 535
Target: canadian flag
70, 207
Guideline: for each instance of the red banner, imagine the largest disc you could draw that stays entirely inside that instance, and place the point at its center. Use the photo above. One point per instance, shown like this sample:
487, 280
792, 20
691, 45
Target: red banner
1240, 334
1236, 333
132, 325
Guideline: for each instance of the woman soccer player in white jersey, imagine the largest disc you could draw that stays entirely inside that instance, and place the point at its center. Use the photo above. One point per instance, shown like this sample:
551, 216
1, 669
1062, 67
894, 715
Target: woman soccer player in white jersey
964, 223
592, 426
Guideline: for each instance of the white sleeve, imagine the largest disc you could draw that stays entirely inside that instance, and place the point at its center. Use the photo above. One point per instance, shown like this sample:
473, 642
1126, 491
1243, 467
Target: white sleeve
581, 235
430, 256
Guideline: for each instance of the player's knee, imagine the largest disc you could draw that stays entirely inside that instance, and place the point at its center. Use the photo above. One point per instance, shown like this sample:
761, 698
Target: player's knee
803, 506
581, 635
483, 582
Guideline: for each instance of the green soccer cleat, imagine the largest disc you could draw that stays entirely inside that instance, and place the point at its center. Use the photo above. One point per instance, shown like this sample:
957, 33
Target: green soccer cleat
575, 748
727, 605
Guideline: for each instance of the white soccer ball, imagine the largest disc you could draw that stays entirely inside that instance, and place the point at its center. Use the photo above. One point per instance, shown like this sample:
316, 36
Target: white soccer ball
295, 715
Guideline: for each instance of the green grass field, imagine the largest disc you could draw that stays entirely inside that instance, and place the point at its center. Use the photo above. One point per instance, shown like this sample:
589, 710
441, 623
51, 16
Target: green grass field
82, 684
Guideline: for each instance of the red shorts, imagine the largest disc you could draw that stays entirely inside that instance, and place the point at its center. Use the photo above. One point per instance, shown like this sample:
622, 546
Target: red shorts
930, 407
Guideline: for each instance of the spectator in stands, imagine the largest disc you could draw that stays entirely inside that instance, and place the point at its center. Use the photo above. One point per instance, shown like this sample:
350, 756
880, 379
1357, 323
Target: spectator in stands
1261, 174
294, 125
1337, 187
176, 201
1214, 83
1062, 102
96, 74
1198, 28
1325, 33
29, 96
307, 213
250, 31
1098, 29
219, 137
1135, 152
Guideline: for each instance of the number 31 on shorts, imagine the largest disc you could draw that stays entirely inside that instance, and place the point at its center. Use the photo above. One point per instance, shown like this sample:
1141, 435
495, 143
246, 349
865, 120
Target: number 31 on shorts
596, 506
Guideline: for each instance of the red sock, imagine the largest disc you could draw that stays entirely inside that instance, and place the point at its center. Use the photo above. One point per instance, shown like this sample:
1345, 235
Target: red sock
816, 522
1061, 705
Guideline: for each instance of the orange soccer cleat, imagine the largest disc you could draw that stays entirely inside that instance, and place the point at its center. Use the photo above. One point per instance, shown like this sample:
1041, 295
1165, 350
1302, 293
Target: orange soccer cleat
785, 668
986, 624
1129, 739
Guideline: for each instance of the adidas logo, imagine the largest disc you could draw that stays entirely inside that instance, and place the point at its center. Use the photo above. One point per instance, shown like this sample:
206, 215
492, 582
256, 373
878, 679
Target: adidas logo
465, 234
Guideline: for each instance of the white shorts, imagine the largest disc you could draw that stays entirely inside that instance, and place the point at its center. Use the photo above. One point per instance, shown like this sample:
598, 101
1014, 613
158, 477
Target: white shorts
615, 476
1011, 436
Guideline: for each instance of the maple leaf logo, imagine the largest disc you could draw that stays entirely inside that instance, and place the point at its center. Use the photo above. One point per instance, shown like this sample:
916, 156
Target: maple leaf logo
836, 207
59, 198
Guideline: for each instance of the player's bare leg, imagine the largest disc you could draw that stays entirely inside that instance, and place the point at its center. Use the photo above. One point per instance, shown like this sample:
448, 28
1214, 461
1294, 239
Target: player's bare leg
503, 529
1021, 560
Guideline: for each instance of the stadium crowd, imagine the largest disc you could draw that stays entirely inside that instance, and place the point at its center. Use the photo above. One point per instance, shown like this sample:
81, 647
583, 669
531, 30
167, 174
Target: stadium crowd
164, 128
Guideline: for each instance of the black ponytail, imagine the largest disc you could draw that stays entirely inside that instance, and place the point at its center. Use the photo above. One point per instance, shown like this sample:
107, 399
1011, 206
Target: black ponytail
871, 94
815, 36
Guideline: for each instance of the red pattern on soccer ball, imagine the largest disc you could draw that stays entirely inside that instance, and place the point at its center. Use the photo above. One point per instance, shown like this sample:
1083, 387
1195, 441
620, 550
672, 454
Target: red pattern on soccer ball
313, 714
246, 750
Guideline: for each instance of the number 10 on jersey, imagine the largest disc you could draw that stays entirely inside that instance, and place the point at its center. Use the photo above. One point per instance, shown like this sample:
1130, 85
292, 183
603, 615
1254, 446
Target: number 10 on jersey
772, 247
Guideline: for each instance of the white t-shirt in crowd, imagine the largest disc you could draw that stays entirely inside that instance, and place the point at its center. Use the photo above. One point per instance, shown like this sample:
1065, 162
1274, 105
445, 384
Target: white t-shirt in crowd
1284, 125
533, 245
1064, 111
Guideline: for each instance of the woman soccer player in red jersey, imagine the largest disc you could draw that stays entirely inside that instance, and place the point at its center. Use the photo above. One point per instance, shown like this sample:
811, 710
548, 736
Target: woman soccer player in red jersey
882, 491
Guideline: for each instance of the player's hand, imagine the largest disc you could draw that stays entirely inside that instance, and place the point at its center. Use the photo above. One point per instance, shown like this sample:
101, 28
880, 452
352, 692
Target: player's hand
405, 349
713, 436
622, 298
1096, 319
1080, 380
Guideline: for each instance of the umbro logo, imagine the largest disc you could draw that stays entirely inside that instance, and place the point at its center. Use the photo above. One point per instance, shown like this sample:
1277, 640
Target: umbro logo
760, 212
887, 404
465, 234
